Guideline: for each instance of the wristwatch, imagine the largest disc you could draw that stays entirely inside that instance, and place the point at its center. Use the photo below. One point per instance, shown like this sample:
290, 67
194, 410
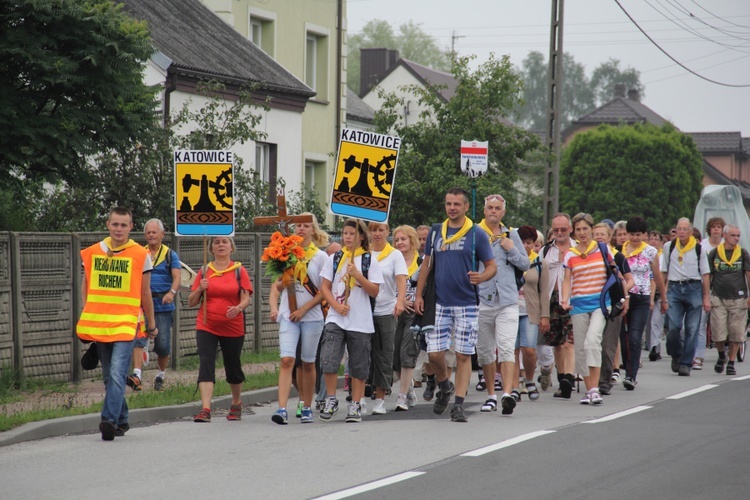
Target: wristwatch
173, 291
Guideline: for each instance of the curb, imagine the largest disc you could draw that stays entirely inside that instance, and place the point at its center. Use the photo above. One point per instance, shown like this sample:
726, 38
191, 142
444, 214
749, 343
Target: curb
89, 423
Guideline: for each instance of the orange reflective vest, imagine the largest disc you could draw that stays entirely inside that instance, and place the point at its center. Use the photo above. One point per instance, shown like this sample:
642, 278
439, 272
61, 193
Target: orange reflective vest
113, 300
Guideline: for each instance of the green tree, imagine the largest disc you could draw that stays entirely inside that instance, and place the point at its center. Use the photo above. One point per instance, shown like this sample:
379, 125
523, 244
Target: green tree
430, 149
71, 85
148, 166
411, 42
608, 74
578, 97
619, 172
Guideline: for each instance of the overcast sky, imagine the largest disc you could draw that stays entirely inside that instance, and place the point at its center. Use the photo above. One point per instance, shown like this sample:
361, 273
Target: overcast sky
710, 37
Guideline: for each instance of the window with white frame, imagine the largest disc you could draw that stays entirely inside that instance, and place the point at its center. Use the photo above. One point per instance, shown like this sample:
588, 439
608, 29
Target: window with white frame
262, 30
316, 63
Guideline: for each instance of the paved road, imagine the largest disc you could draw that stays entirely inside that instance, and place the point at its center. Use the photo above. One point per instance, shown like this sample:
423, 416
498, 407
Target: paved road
665, 447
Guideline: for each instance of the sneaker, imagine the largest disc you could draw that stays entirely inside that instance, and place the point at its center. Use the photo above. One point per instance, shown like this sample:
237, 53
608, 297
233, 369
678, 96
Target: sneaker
429, 390
605, 391
498, 385
159, 384
508, 403
307, 415
281, 417
489, 405
653, 355
596, 398
730, 368
698, 364
615, 377
566, 386
235, 412
545, 379
683, 371
675, 364
481, 385
457, 414
522, 386
379, 407
203, 416
134, 381
629, 383
353, 413
411, 398
719, 366
108, 430
586, 399
401, 404
122, 429
442, 399
331, 407
363, 406
300, 405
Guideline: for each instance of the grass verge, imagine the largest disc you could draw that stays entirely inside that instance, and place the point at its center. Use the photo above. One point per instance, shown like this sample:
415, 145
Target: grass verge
174, 394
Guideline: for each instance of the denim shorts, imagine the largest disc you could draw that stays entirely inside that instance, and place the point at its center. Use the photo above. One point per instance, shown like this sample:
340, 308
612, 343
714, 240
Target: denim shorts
162, 342
527, 333
290, 333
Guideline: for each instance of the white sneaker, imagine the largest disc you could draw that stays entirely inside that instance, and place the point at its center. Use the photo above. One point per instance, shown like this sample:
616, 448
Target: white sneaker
378, 408
401, 404
363, 406
411, 397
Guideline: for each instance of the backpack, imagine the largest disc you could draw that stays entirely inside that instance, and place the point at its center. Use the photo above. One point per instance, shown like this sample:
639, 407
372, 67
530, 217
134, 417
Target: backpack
519, 274
366, 259
612, 286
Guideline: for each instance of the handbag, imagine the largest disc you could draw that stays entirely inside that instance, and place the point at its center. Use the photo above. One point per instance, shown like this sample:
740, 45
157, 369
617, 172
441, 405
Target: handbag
613, 287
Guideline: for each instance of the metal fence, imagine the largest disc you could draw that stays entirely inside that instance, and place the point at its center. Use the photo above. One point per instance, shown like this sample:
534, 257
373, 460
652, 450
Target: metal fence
40, 301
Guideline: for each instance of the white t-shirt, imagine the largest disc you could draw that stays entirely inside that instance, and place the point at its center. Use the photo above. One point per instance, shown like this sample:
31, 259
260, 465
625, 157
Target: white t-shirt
391, 266
303, 296
359, 318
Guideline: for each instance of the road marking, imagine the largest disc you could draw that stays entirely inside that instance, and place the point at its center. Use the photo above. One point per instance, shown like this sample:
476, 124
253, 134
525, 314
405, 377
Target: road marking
693, 391
370, 486
618, 415
504, 444
741, 378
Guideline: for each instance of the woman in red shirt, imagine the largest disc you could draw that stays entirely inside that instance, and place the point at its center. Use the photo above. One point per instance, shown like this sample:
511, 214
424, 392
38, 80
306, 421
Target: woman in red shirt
227, 293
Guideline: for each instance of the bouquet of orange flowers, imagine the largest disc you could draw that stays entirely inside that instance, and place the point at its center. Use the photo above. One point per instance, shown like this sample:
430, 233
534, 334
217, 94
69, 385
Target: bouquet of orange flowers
282, 254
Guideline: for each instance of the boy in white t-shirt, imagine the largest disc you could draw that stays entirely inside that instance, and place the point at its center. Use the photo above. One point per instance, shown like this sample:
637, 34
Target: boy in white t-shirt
349, 323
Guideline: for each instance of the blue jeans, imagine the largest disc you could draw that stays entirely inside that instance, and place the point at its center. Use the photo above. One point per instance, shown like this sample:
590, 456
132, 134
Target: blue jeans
115, 358
162, 342
631, 345
685, 305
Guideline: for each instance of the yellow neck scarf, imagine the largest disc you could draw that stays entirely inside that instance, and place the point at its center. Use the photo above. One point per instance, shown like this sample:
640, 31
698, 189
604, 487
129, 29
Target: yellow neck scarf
591, 247
721, 251
635, 251
387, 250
460, 234
414, 265
218, 274
678, 245
350, 256
160, 255
532, 256
493, 237
111, 251
300, 268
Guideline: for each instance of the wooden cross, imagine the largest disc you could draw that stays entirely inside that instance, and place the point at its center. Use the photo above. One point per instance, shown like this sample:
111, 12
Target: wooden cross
283, 220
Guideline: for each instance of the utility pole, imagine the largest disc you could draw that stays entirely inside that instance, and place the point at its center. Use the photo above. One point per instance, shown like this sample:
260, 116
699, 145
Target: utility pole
554, 114
454, 37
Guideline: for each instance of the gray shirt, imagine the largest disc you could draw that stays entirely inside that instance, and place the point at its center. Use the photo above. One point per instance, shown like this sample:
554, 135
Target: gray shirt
502, 289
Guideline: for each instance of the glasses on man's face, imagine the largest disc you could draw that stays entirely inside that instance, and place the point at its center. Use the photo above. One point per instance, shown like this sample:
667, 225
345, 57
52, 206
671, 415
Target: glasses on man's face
560, 229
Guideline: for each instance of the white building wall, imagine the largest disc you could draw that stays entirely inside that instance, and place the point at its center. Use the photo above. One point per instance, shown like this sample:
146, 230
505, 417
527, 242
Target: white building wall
399, 77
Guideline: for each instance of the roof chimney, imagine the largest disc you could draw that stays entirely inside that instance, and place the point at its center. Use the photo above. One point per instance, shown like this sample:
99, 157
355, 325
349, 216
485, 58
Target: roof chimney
373, 64
633, 95
619, 90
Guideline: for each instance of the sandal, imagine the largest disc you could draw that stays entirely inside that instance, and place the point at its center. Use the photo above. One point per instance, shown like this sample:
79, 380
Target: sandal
203, 416
532, 391
235, 412
489, 405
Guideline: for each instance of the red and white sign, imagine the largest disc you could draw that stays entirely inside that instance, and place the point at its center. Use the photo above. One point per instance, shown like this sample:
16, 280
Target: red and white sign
474, 158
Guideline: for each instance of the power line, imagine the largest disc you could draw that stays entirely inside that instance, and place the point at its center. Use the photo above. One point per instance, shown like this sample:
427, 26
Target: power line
683, 9
720, 18
670, 56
